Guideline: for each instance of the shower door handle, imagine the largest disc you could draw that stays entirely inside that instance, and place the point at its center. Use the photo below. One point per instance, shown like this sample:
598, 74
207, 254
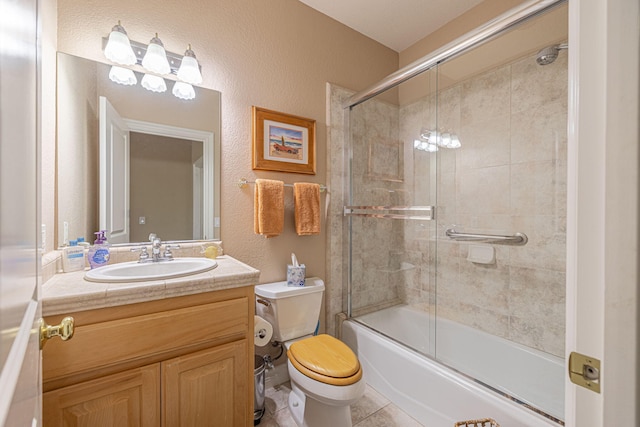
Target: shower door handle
518, 239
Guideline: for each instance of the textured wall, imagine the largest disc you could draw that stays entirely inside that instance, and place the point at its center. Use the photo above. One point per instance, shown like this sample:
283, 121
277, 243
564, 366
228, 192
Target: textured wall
277, 55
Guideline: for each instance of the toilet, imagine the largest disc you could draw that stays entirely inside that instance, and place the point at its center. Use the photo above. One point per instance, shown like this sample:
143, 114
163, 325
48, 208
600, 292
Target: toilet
326, 377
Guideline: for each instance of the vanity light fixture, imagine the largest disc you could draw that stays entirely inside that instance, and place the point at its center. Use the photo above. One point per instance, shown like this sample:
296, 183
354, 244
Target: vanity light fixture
183, 90
189, 71
123, 76
118, 47
154, 83
155, 60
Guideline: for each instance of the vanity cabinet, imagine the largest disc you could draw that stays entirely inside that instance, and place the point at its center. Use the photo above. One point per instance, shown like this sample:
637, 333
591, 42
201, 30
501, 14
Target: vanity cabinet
181, 361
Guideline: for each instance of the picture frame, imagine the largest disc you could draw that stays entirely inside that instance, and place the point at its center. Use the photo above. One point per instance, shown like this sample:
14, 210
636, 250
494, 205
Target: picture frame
283, 142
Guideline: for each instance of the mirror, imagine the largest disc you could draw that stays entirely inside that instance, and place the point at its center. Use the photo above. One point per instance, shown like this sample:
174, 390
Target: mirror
163, 178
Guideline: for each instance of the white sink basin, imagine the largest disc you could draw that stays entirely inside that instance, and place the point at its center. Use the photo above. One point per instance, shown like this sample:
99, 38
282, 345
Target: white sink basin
139, 272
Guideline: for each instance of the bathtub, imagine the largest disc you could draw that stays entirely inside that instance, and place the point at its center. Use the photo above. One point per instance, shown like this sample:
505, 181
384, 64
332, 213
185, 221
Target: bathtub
438, 396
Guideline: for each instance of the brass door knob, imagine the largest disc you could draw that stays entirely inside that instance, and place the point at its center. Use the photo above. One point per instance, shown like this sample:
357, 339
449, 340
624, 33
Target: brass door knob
64, 330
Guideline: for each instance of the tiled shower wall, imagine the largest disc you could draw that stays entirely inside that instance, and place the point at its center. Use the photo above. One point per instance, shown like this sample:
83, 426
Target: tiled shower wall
509, 176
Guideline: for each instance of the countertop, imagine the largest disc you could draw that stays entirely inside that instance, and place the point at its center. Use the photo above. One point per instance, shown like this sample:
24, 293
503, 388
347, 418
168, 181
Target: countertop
69, 292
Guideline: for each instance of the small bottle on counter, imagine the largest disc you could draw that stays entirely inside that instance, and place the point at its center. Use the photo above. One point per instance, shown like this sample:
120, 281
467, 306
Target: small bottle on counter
82, 243
72, 257
98, 254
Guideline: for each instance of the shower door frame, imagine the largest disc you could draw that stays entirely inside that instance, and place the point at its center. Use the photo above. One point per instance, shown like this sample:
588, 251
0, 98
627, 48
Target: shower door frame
483, 34
458, 46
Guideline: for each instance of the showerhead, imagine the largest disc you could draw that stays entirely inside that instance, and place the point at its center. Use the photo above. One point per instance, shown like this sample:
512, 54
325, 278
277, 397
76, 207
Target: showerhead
549, 54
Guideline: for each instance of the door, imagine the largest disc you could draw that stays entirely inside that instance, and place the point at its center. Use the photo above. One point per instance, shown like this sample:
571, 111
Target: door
19, 215
129, 398
206, 388
114, 173
602, 276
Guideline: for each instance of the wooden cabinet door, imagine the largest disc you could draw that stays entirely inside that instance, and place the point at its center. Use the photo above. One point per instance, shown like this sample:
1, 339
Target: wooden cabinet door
207, 388
126, 399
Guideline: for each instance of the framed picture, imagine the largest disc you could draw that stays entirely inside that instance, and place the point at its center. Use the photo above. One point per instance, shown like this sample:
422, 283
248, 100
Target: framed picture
283, 143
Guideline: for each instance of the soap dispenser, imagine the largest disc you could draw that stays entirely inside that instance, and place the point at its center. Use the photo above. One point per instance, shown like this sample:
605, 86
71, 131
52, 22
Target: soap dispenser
98, 254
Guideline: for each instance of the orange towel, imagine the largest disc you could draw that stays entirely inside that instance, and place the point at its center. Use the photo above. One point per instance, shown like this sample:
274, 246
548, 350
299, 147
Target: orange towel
306, 200
268, 210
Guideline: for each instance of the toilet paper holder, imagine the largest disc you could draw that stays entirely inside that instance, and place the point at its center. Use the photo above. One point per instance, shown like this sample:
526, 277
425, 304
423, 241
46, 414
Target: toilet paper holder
263, 302
262, 332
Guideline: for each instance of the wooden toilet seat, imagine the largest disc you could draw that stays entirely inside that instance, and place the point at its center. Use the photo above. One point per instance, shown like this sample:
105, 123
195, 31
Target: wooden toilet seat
325, 359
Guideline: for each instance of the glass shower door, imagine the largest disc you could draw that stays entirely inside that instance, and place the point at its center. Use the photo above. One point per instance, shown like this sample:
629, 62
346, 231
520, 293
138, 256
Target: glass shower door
502, 212
391, 212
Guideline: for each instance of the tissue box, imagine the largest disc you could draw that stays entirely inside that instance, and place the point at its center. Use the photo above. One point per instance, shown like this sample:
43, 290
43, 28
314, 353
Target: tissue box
295, 275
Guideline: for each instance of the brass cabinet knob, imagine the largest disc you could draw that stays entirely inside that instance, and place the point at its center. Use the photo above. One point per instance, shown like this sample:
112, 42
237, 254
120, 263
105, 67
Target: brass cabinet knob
64, 330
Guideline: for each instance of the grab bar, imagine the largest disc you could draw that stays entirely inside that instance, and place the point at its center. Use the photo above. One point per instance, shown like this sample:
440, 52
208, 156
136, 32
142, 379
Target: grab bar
352, 211
518, 239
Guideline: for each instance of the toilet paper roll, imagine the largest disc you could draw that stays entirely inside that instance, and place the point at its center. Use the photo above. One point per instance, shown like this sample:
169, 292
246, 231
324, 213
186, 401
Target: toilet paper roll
262, 331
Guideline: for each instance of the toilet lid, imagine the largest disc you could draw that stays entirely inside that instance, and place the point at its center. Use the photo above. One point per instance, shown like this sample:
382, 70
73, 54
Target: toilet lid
325, 359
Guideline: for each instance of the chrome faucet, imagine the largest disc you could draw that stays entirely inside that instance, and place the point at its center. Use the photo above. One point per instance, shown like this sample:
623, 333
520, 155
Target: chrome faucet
156, 250
156, 244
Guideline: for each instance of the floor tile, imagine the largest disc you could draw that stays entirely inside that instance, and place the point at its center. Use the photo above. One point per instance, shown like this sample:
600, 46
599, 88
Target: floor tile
372, 410
277, 398
368, 404
389, 416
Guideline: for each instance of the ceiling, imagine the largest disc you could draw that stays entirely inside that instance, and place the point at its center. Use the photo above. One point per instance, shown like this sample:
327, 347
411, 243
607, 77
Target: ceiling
396, 24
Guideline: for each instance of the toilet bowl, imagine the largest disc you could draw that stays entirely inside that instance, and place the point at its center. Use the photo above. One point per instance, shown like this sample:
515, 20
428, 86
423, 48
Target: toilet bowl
326, 376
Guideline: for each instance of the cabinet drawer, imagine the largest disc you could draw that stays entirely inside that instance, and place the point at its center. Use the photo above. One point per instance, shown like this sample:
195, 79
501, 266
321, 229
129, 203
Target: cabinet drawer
144, 337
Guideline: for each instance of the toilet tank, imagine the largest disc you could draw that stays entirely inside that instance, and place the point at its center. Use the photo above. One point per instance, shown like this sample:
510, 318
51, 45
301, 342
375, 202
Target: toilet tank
292, 311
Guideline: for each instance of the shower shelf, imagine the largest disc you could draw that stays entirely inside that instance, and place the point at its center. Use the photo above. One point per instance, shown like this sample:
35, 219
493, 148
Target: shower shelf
518, 239
377, 212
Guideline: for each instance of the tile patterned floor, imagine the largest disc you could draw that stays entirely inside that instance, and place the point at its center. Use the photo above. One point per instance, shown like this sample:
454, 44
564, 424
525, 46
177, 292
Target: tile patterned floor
372, 410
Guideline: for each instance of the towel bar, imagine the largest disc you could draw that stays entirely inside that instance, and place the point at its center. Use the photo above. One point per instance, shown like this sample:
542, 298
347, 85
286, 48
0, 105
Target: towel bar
242, 182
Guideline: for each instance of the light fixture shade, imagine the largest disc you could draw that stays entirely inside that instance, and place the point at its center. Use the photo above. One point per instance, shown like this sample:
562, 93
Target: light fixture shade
189, 71
153, 83
155, 60
422, 145
184, 91
122, 76
444, 140
118, 47
455, 142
